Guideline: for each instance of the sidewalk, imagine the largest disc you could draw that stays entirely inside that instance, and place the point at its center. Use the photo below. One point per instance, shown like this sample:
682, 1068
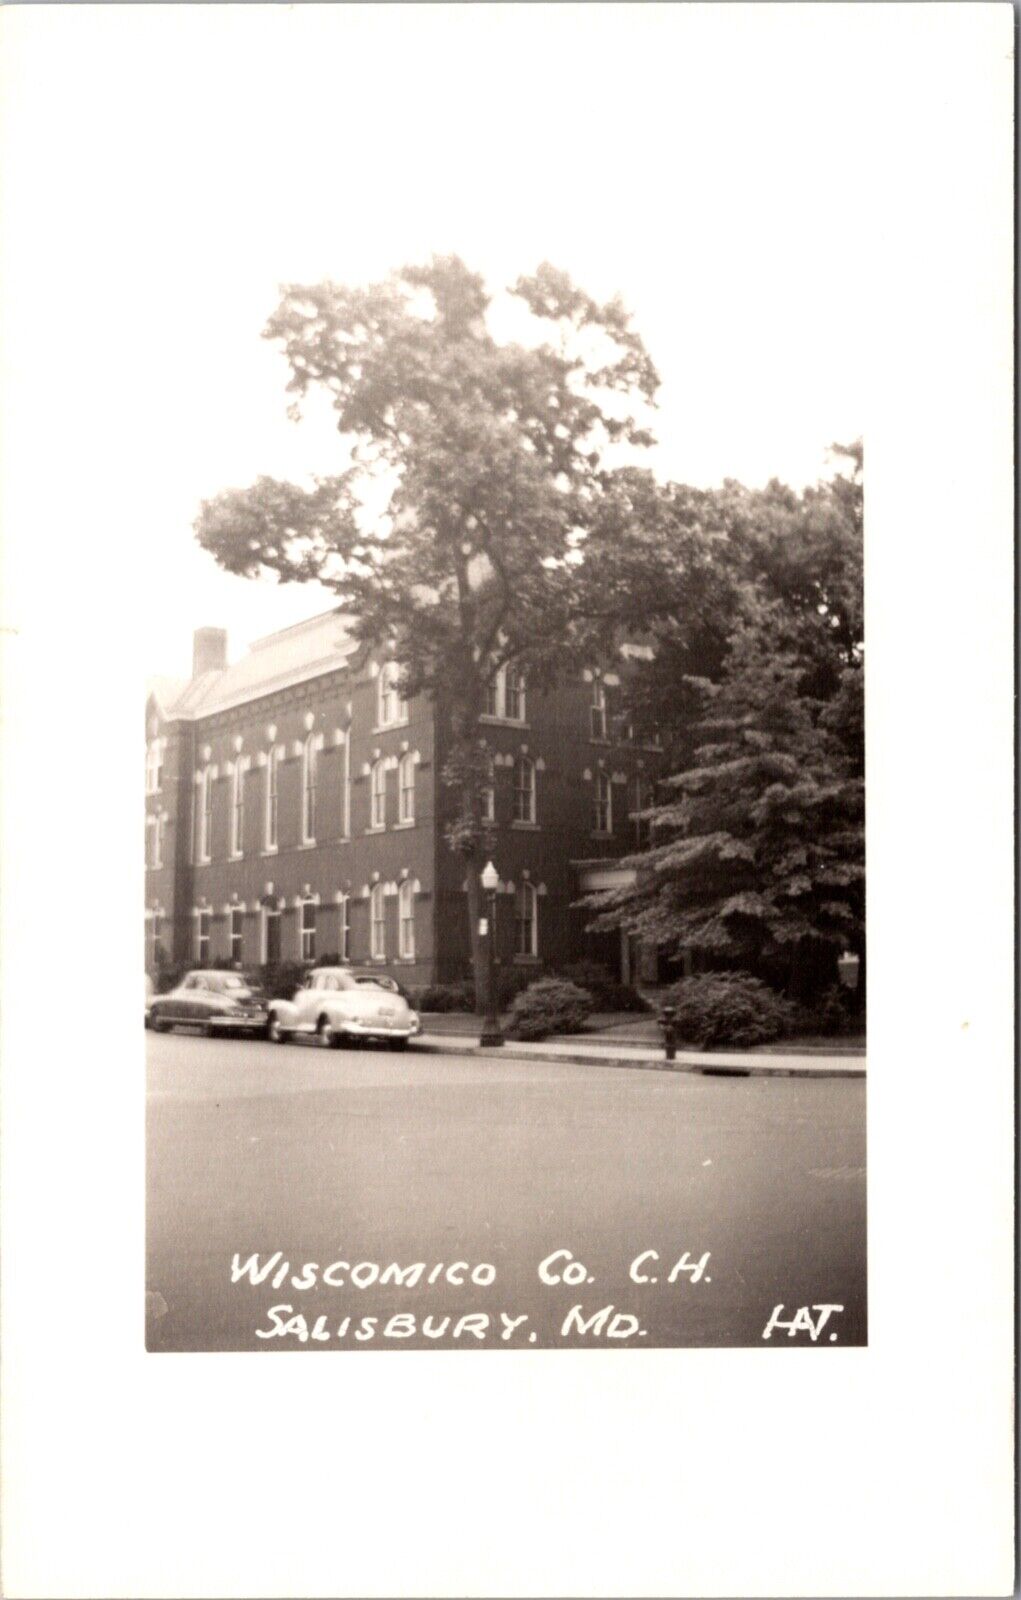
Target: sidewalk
458, 1034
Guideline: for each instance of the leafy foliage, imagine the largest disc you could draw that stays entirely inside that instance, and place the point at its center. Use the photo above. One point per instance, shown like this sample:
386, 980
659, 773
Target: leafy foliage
549, 1006
729, 1009
608, 993
487, 460
757, 852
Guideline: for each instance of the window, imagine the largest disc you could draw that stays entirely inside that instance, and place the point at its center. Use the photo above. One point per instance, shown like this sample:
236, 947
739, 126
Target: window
237, 935
308, 930
377, 924
158, 832
526, 926
602, 817
488, 798
309, 760
151, 858
203, 927
272, 796
514, 694
271, 933
406, 788
597, 711
237, 809
155, 926
406, 921
391, 707
491, 705
524, 790
377, 811
202, 818
343, 930
154, 766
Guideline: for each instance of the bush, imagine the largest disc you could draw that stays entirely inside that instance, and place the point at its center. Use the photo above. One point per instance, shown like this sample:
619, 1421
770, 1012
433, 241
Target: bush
729, 1008
445, 997
512, 981
608, 993
280, 980
832, 1014
549, 1006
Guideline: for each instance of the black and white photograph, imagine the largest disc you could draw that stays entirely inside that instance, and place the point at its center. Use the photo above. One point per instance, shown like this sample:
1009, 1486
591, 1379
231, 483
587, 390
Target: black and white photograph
487, 537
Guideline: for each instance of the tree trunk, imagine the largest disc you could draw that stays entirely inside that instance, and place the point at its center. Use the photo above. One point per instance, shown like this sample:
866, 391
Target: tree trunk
479, 946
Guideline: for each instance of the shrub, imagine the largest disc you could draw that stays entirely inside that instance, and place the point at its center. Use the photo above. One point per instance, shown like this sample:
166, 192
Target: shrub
512, 981
833, 1013
549, 1006
729, 1008
445, 997
608, 993
280, 980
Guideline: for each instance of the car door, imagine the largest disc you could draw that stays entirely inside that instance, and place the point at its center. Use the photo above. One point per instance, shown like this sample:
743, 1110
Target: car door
306, 1000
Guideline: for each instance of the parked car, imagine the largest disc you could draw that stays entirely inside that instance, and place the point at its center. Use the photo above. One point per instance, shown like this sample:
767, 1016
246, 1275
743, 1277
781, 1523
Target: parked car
337, 1006
216, 1002
380, 979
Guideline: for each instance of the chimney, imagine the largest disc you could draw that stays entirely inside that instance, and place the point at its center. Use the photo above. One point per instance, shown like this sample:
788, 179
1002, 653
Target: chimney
209, 651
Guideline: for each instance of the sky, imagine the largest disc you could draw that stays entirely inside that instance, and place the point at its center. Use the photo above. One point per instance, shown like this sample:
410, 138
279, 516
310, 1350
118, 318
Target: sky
702, 162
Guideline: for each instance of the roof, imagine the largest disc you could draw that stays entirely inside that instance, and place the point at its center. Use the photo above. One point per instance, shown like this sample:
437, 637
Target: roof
307, 650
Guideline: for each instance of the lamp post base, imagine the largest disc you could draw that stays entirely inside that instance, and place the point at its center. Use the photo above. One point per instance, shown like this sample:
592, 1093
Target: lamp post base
490, 1034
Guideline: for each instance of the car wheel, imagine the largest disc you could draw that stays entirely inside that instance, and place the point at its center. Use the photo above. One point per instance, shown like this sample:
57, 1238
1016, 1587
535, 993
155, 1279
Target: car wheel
398, 1044
158, 1024
274, 1032
325, 1033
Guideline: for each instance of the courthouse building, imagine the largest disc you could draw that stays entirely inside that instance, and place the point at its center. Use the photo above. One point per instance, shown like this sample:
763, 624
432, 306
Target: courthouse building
294, 810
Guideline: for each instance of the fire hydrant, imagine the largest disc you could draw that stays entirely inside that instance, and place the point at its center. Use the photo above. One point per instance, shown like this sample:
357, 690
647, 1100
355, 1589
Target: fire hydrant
667, 1021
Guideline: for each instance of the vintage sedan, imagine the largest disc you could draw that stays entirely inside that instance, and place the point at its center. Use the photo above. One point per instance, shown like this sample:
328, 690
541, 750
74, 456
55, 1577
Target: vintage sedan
215, 1002
337, 1007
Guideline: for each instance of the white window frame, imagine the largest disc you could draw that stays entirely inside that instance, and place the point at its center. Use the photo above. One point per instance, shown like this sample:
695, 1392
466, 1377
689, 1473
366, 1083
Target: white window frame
377, 920
306, 933
154, 766
157, 839
205, 938
598, 721
237, 938
602, 805
237, 809
153, 928
406, 920
507, 689
347, 787
488, 796
377, 795
309, 775
271, 818
406, 788
344, 928
268, 913
391, 708
524, 791
526, 917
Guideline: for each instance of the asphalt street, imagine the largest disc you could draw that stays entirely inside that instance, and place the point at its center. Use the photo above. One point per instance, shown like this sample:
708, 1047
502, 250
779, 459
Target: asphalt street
413, 1202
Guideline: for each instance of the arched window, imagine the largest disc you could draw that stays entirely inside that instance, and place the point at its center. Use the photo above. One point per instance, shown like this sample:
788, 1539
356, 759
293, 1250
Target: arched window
202, 829
526, 921
597, 711
154, 766
272, 796
377, 923
406, 788
488, 797
514, 695
524, 790
390, 707
602, 813
308, 930
309, 764
406, 921
237, 807
377, 809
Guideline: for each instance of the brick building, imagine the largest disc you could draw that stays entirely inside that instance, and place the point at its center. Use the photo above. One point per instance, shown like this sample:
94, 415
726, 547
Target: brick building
294, 810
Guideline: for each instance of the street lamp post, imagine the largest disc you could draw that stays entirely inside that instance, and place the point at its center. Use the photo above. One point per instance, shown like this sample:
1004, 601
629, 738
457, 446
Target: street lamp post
491, 1024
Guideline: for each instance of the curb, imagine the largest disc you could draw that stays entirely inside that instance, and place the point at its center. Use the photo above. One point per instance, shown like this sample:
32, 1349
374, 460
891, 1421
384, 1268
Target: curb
757, 1067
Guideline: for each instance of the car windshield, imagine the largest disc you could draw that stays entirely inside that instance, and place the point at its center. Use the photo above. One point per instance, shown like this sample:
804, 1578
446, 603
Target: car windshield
376, 983
232, 981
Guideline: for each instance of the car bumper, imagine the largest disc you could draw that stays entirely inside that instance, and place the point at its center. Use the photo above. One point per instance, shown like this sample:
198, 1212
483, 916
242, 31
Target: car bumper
249, 1020
378, 1030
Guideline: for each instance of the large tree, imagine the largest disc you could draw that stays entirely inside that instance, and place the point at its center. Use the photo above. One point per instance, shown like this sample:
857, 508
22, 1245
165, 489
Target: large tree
475, 493
757, 853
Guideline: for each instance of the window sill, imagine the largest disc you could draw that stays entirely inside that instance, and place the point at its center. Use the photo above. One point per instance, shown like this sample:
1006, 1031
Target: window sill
410, 823
381, 828
502, 722
270, 850
388, 727
236, 855
527, 827
306, 844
